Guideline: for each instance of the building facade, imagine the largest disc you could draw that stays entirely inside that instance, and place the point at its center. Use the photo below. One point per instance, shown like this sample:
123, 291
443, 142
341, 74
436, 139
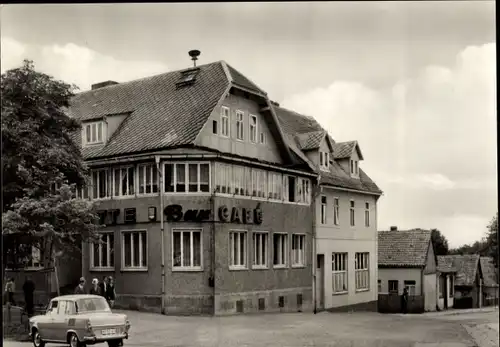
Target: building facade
205, 208
446, 282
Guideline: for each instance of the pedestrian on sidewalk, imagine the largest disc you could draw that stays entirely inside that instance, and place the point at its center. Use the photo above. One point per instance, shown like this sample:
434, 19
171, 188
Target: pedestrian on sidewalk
111, 293
104, 286
404, 300
95, 290
80, 288
29, 290
9, 291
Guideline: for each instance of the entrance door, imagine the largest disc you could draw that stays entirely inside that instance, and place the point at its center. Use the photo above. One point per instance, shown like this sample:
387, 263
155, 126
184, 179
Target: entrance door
320, 281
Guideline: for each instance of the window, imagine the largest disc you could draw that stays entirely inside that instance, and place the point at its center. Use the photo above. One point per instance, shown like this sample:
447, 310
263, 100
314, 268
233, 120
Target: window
94, 133
280, 250
239, 125
362, 271
379, 286
324, 160
339, 273
187, 178
323, 209
260, 246
353, 217
148, 179
135, 250
410, 286
100, 184
70, 308
441, 285
253, 128
215, 127
298, 250
303, 190
367, 214
336, 212
187, 77
238, 181
35, 260
262, 138
123, 181
186, 249
259, 182
53, 307
275, 185
102, 255
393, 287
354, 167
61, 309
238, 249
291, 188
224, 122
223, 178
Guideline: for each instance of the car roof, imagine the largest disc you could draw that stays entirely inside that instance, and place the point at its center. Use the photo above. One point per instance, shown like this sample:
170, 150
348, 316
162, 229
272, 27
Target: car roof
73, 297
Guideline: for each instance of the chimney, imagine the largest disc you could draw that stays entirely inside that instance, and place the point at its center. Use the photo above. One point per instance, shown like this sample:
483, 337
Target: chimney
394, 228
103, 84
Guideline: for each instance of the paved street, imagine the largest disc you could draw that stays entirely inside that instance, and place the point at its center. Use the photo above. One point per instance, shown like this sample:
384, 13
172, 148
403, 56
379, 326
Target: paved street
324, 329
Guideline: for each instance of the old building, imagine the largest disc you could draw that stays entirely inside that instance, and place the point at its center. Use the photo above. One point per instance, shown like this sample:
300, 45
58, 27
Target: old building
206, 205
490, 282
406, 260
345, 205
446, 282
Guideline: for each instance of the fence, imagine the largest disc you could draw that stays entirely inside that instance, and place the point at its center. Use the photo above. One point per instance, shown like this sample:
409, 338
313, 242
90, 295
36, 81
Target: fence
391, 303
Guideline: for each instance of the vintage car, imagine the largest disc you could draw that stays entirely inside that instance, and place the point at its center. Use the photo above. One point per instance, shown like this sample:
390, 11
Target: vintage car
79, 320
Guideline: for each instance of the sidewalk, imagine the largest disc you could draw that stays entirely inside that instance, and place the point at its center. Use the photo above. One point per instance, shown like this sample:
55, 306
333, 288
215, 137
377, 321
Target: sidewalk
451, 312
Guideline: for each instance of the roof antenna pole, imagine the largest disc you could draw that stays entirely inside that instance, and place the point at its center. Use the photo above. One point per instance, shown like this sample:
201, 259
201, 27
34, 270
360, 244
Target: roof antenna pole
194, 54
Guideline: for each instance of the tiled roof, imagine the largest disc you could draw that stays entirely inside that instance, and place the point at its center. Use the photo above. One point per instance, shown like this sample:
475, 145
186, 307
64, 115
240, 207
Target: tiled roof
294, 123
160, 114
445, 264
343, 150
466, 266
403, 248
242, 81
310, 140
489, 272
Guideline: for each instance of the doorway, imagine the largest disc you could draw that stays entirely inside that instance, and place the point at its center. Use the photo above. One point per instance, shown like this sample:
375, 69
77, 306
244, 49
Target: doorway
445, 292
320, 281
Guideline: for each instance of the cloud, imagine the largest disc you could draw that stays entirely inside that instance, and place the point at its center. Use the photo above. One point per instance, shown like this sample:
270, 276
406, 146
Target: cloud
76, 64
428, 141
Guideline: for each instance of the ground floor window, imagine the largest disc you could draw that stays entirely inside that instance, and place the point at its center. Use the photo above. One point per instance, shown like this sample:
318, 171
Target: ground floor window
135, 249
410, 287
298, 250
238, 249
260, 245
339, 273
442, 286
393, 287
280, 242
379, 284
186, 249
362, 271
102, 255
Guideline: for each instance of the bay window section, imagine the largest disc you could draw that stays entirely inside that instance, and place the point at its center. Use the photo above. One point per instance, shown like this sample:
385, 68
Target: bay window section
148, 179
223, 178
275, 185
101, 184
187, 177
123, 181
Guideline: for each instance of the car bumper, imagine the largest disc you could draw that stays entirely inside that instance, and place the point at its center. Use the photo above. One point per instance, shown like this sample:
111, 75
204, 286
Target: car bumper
96, 339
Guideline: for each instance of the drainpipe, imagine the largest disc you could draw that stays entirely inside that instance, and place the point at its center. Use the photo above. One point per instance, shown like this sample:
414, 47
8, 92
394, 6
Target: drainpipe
314, 256
212, 208
162, 233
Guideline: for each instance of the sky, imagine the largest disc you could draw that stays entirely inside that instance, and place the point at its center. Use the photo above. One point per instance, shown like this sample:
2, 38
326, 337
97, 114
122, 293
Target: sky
413, 82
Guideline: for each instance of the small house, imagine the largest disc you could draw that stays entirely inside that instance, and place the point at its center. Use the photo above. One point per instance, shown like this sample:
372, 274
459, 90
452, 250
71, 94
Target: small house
446, 282
490, 282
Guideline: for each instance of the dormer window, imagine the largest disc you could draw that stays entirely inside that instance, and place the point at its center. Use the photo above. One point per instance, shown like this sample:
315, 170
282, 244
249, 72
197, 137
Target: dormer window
94, 133
354, 168
187, 77
324, 161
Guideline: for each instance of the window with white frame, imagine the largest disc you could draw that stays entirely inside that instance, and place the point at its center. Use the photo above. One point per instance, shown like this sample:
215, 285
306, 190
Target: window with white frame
354, 167
224, 178
262, 138
239, 126
339, 273
290, 188
280, 254
260, 245
275, 185
352, 213
224, 121
123, 181
148, 178
134, 249
298, 250
367, 214
82, 192
187, 177
253, 128
336, 211
323, 209
102, 256
100, 179
410, 287
362, 272
238, 249
393, 286
186, 249
303, 193
324, 160
94, 133
238, 180
259, 183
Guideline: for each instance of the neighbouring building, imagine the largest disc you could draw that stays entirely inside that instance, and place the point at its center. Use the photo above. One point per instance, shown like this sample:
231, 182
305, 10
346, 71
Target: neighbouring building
206, 205
406, 259
490, 282
468, 281
345, 205
446, 282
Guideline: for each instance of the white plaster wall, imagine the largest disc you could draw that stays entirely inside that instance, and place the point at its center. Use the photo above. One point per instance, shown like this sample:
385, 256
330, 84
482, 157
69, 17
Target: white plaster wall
430, 287
400, 275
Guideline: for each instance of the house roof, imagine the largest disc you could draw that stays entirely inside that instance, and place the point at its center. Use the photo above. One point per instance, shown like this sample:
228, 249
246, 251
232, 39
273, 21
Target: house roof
310, 140
466, 267
239, 79
489, 272
445, 264
402, 248
342, 150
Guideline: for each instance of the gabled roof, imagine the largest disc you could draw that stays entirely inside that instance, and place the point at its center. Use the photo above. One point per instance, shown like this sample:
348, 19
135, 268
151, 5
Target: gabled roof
466, 266
489, 272
342, 150
445, 264
310, 140
402, 248
240, 80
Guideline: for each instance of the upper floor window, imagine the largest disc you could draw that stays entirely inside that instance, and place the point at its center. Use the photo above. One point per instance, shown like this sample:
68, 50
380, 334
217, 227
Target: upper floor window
187, 178
324, 160
303, 190
354, 167
239, 125
367, 214
94, 133
224, 122
100, 184
352, 215
124, 181
262, 138
253, 128
148, 179
259, 182
336, 212
275, 185
323, 209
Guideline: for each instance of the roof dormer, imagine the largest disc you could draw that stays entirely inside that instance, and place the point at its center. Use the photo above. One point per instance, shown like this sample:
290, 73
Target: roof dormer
348, 154
99, 130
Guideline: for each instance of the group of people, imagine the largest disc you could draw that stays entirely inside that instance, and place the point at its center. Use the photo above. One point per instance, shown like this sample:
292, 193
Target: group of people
105, 288
28, 289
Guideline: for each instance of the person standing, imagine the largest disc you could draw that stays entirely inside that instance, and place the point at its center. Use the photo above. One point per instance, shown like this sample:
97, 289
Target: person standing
104, 286
9, 291
404, 300
95, 290
29, 290
111, 293
80, 289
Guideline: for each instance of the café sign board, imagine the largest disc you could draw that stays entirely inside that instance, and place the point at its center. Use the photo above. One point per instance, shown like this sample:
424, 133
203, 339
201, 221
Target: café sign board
238, 215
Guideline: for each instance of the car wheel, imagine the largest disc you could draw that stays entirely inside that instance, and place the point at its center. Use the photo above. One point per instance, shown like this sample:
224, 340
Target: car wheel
115, 343
37, 339
74, 342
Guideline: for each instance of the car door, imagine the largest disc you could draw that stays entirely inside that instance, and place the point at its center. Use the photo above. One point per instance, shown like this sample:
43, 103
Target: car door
59, 322
45, 325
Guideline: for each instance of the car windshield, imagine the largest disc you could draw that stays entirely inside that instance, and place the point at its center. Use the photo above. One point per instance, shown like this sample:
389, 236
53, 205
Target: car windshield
92, 305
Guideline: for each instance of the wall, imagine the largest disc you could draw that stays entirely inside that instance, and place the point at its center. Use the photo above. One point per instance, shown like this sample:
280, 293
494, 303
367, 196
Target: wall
267, 152
430, 265
113, 122
430, 296
449, 291
400, 275
391, 303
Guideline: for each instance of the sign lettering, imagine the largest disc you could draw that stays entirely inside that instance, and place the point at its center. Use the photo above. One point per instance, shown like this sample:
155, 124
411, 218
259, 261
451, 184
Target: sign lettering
241, 215
174, 213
